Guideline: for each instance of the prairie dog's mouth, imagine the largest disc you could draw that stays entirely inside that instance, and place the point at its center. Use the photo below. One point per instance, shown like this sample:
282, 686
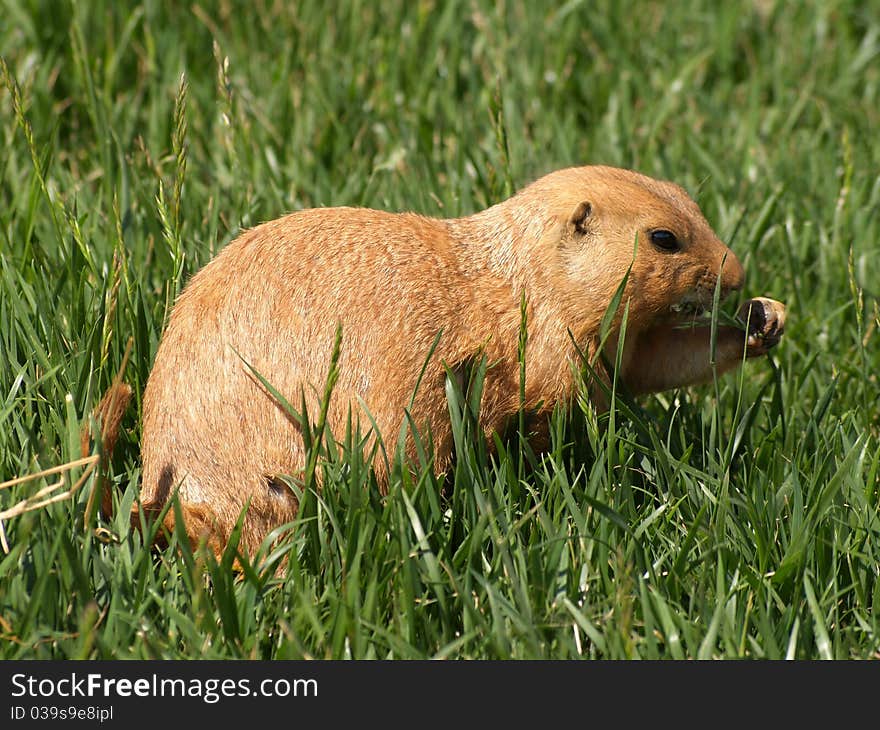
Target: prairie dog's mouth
689, 308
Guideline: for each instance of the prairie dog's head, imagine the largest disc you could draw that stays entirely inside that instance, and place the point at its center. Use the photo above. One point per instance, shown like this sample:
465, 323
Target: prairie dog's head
610, 219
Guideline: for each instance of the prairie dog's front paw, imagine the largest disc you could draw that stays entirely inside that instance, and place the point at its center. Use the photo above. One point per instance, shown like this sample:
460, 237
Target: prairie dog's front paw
765, 322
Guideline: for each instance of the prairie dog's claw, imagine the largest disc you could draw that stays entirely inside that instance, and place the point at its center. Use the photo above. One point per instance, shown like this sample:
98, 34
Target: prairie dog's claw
765, 322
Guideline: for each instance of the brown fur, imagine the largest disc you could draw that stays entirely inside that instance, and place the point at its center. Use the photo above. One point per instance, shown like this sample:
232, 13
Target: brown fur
108, 413
274, 296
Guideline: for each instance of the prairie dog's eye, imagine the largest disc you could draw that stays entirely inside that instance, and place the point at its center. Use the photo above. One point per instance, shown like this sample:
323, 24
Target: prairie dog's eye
664, 239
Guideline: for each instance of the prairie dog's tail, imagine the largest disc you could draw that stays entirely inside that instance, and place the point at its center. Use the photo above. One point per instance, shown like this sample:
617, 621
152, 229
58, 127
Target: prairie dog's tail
108, 413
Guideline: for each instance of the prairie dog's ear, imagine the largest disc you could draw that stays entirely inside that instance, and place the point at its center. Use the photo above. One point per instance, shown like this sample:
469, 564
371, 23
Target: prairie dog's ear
579, 220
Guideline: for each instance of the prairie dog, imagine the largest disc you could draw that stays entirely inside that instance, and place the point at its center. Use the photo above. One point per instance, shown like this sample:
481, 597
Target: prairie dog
274, 296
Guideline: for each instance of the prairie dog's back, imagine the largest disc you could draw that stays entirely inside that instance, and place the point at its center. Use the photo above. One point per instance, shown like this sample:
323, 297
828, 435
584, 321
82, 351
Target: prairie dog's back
273, 298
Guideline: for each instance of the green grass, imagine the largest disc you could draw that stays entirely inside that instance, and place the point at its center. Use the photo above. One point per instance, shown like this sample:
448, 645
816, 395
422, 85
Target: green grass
739, 520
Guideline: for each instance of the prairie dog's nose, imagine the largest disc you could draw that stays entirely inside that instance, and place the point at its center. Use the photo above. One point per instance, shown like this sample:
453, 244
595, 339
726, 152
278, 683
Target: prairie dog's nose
733, 276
